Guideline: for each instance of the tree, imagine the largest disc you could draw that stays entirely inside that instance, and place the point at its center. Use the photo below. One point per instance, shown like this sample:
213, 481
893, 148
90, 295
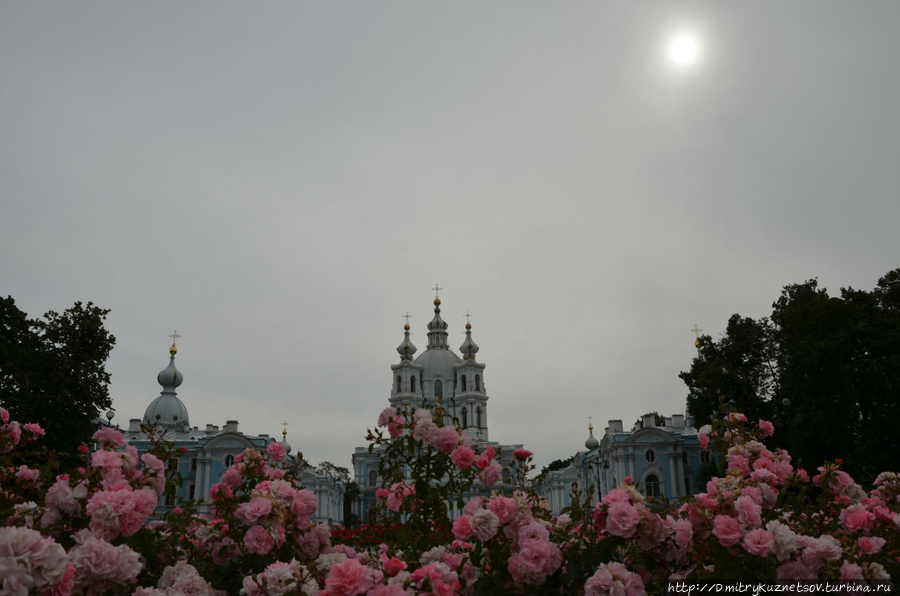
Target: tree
339, 473
658, 420
52, 370
742, 365
825, 369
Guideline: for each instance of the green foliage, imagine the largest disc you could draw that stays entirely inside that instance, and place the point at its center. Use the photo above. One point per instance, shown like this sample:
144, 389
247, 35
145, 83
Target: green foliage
825, 369
52, 371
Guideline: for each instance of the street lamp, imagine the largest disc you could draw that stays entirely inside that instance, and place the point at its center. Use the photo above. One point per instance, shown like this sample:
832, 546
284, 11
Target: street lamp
109, 416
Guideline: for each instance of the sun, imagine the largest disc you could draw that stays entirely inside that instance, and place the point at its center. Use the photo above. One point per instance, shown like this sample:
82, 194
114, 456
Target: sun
683, 50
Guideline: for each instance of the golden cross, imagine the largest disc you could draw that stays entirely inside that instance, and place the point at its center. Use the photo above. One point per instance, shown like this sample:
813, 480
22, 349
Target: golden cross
174, 336
407, 316
696, 330
436, 290
467, 315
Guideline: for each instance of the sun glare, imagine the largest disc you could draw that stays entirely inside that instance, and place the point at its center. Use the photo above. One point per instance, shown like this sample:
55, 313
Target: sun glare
683, 50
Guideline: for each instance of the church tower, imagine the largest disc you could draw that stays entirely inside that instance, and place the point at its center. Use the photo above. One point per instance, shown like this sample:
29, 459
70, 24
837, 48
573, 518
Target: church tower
440, 375
167, 410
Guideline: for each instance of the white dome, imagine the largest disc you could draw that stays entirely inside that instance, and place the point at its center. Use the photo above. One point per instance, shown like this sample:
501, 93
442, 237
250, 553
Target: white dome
166, 410
438, 364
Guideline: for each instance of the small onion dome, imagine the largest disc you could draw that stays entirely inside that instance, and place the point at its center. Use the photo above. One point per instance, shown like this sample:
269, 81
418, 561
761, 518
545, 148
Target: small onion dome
170, 377
287, 446
469, 348
437, 323
591, 442
406, 349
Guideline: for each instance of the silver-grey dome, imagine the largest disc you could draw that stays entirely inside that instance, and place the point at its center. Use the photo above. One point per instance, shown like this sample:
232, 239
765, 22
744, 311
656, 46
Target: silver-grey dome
167, 410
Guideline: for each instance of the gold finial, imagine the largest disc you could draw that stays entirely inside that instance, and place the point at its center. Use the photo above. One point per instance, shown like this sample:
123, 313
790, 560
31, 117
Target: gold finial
174, 349
590, 424
696, 331
467, 316
284, 428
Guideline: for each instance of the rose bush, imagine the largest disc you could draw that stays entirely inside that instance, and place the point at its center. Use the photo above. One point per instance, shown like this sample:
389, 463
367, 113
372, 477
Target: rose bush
90, 530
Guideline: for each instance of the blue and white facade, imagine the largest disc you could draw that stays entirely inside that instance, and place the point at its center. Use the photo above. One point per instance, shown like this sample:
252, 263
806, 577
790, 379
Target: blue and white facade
211, 450
662, 461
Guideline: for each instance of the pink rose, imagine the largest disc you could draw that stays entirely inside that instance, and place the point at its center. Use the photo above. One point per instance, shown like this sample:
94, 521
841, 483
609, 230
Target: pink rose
758, 542
277, 451
30, 560
463, 457
850, 571
392, 566
462, 529
727, 530
871, 545
504, 508
109, 437
766, 427
102, 566
622, 519
485, 458
522, 454
34, 429
348, 578
254, 509
857, 518
484, 524
120, 512
446, 439
490, 474
748, 511
258, 540
386, 416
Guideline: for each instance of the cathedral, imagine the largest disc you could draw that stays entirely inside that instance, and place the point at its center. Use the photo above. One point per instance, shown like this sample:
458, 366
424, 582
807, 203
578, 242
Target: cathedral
210, 450
437, 376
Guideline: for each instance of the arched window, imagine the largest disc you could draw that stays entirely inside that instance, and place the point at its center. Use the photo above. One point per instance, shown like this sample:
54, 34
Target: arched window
465, 418
373, 477
478, 416
229, 460
438, 389
477, 382
650, 455
462, 380
412, 384
651, 485
399, 384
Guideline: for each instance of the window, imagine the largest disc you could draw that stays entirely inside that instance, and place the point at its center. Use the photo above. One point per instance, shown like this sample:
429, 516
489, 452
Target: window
399, 384
506, 475
478, 416
465, 418
704, 457
477, 382
650, 456
229, 459
373, 475
412, 384
463, 382
193, 463
651, 485
438, 389
173, 464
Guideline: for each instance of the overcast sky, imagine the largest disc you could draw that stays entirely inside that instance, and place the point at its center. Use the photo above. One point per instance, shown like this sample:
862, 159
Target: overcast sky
282, 181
